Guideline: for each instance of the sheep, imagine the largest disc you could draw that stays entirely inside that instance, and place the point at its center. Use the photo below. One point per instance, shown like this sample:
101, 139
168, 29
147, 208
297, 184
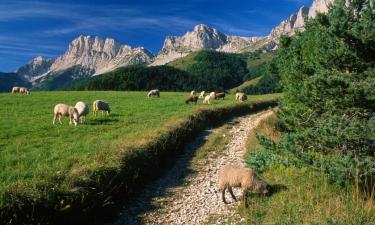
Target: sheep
212, 94
241, 97
238, 95
220, 95
201, 95
192, 93
207, 99
24, 90
154, 92
61, 110
82, 109
15, 90
192, 98
100, 105
231, 176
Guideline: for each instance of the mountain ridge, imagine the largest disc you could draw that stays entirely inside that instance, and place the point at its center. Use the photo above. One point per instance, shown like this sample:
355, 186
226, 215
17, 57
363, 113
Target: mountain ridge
103, 55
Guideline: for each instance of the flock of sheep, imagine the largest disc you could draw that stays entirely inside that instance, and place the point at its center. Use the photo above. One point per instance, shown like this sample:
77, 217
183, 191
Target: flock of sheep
21, 90
79, 111
241, 97
230, 176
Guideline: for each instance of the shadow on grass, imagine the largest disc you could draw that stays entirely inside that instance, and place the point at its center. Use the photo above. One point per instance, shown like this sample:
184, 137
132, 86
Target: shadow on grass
102, 121
173, 177
276, 188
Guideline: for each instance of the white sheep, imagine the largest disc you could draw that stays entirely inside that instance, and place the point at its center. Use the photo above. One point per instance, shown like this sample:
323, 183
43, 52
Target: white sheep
192, 93
24, 90
238, 96
241, 97
231, 176
82, 109
15, 90
100, 105
62, 110
201, 95
154, 92
207, 99
212, 94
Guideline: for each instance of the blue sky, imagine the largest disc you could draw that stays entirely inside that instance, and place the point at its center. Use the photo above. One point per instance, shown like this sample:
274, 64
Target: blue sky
46, 27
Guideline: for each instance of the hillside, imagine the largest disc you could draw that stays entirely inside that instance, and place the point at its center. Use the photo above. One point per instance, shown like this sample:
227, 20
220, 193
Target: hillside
8, 80
62, 80
244, 85
203, 70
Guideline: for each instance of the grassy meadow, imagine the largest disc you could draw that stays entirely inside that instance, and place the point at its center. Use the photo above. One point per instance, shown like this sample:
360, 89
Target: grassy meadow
303, 195
37, 157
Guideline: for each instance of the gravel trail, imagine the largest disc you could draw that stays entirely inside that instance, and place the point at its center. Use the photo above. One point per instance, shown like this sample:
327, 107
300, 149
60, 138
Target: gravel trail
183, 196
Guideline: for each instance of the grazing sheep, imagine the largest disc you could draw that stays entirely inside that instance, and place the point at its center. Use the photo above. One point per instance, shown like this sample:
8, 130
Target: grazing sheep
62, 110
207, 99
154, 92
100, 105
201, 95
192, 92
15, 90
231, 176
192, 98
24, 90
238, 95
220, 95
241, 97
83, 110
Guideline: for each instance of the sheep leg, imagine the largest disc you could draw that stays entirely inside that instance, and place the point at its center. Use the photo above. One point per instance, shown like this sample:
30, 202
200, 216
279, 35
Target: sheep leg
60, 119
231, 193
223, 195
245, 199
54, 119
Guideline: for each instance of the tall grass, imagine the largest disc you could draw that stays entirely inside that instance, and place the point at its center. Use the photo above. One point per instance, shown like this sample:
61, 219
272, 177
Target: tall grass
302, 195
53, 171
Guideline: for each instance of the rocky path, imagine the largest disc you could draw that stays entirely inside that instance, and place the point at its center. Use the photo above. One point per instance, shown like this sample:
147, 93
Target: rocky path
190, 196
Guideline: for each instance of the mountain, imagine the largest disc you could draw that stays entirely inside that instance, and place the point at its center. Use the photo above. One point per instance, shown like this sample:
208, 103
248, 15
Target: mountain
296, 22
91, 55
35, 67
202, 37
100, 55
205, 37
96, 56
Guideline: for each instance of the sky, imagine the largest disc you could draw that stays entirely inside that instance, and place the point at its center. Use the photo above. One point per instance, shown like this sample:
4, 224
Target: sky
46, 27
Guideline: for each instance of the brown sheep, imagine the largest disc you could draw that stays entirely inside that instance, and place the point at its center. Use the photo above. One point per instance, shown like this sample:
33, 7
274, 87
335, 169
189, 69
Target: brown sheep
192, 98
220, 95
236, 176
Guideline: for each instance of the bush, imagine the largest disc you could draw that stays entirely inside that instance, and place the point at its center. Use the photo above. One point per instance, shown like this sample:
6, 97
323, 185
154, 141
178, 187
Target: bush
327, 74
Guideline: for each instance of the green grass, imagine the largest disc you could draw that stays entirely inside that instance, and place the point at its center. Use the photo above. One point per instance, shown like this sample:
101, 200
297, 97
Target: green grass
38, 158
263, 57
184, 63
244, 85
303, 196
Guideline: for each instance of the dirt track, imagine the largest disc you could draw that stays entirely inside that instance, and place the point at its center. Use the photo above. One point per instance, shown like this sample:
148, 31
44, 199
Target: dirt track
182, 196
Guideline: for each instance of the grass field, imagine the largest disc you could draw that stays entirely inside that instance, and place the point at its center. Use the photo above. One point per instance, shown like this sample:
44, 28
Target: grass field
37, 157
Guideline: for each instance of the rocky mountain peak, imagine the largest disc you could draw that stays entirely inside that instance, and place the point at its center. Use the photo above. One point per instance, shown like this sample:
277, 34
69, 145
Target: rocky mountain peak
99, 55
319, 6
36, 66
296, 22
201, 37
